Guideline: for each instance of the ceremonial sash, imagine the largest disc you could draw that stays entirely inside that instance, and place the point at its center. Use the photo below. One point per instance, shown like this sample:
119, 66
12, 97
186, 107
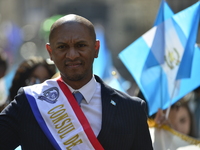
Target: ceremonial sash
60, 116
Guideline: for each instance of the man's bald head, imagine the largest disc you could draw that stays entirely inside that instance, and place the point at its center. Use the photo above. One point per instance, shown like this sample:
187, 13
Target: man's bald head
72, 19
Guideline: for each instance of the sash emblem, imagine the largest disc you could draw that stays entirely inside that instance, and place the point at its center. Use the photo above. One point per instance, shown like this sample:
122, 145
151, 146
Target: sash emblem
50, 95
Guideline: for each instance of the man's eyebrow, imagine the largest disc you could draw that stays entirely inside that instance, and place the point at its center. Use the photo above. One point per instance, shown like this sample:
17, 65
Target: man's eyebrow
59, 43
82, 41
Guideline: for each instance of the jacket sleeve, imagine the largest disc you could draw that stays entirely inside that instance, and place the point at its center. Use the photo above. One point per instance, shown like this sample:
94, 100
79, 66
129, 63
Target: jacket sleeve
18, 126
9, 138
143, 140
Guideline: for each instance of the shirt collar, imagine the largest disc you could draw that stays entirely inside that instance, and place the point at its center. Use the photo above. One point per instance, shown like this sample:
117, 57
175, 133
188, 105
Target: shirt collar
87, 90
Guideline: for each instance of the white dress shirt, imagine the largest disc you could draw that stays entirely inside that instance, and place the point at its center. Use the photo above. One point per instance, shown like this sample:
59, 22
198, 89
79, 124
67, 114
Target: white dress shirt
91, 105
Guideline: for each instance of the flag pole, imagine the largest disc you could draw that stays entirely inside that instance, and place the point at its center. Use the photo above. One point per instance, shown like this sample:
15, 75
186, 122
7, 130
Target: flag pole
172, 95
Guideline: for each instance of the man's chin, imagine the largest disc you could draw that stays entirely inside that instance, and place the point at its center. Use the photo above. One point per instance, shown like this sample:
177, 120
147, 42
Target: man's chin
75, 77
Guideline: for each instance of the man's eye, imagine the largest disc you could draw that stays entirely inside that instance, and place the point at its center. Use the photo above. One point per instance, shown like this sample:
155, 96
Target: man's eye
81, 45
61, 46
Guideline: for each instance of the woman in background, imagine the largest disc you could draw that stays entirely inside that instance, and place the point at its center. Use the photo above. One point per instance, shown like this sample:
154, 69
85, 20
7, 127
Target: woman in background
31, 71
180, 118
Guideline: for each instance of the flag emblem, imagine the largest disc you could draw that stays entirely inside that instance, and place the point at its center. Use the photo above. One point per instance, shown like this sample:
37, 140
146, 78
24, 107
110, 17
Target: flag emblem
172, 58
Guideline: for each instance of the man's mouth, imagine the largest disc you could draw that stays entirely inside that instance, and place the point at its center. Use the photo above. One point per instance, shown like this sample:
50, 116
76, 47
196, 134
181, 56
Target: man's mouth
73, 65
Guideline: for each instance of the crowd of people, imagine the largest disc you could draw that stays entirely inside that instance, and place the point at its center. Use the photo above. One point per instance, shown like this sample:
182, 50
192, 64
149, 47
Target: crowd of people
41, 111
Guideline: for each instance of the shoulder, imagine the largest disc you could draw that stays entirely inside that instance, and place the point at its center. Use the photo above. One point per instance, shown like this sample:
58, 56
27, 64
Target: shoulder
121, 97
130, 100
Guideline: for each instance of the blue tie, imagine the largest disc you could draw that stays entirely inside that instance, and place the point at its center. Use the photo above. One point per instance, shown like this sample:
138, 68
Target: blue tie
78, 96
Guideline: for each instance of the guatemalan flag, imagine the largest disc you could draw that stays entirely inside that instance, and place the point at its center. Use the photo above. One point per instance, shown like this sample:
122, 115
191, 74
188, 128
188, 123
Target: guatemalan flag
156, 60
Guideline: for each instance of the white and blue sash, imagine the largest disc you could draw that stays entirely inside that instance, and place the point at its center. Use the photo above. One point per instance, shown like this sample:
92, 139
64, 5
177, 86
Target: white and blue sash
60, 116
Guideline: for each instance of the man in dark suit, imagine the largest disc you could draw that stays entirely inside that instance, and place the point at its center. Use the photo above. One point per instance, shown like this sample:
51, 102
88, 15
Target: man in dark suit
46, 116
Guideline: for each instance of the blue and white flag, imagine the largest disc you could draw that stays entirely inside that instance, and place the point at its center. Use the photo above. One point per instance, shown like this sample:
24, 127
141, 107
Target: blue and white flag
154, 60
103, 66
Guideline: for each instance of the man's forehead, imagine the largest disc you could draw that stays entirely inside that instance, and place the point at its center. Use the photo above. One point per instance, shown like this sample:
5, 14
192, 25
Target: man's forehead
68, 18
71, 21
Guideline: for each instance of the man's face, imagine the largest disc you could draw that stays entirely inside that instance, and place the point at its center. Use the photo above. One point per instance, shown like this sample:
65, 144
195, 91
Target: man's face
73, 49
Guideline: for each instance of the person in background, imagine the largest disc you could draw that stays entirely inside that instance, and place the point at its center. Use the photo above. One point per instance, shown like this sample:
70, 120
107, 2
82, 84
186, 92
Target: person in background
3, 65
77, 110
34, 70
194, 104
180, 118
3, 70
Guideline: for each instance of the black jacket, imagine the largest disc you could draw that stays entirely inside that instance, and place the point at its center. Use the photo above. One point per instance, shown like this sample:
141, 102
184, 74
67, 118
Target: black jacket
124, 126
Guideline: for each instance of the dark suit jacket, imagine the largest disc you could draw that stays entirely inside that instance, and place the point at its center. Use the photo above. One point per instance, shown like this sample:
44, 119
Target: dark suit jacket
124, 125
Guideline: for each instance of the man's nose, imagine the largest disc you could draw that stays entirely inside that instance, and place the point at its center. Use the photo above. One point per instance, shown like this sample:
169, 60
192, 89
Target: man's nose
72, 53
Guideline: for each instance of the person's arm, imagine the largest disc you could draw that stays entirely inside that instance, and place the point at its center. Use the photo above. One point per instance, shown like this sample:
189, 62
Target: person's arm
9, 138
143, 140
161, 119
18, 126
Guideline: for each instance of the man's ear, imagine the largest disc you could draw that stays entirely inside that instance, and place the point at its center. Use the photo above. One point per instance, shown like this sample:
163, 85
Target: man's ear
97, 46
48, 48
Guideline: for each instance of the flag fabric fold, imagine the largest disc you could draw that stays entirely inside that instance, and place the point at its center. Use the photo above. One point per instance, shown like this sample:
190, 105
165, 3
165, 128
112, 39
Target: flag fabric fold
190, 30
164, 13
